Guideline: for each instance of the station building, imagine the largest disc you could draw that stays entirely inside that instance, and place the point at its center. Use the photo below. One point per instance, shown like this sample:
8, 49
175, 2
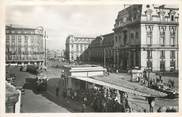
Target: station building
24, 45
101, 49
147, 36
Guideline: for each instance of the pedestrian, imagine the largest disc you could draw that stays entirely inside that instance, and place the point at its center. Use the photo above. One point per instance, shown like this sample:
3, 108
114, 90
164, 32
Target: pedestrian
151, 101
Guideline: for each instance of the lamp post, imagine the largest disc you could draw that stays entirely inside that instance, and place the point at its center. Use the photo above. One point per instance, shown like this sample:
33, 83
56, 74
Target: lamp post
45, 36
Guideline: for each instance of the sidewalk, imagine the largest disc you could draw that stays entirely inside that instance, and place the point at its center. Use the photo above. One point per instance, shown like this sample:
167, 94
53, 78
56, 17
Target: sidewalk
69, 104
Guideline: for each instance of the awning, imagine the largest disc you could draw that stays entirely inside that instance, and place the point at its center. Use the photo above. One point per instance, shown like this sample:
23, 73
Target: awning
122, 85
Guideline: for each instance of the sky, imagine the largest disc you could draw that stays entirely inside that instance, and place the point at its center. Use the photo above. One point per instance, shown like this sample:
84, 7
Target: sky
60, 21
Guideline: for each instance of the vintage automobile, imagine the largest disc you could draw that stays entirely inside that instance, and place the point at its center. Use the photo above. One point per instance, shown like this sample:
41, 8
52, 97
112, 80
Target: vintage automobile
41, 82
171, 93
23, 68
136, 75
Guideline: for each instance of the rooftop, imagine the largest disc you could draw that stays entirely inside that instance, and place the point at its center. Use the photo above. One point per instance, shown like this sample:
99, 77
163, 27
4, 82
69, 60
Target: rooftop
23, 27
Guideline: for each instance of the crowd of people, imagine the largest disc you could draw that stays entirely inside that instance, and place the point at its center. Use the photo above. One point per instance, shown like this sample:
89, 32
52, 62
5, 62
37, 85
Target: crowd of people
99, 100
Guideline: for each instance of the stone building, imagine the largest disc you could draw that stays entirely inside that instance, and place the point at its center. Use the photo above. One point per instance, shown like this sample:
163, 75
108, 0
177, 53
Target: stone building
24, 45
75, 46
147, 36
101, 49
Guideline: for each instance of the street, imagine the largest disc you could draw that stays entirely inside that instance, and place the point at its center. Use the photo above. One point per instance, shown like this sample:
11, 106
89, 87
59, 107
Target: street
32, 102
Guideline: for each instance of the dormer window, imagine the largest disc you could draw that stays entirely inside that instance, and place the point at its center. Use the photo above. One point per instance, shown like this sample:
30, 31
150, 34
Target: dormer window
162, 15
172, 17
148, 12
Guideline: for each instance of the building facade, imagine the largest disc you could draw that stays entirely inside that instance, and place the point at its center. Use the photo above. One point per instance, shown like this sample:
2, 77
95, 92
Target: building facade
147, 36
24, 45
101, 50
76, 46
57, 54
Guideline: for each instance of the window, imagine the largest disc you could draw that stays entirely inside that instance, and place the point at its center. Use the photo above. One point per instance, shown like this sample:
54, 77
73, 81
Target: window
162, 54
172, 17
32, 39
125, 38
149, 54
131, 36
149, 64
162, 15
149, 38
172, 43
148, 12
172, 55
26, 39
19, 50
19, 39
13, 40
7, 39
149, 35
172, 36
162, 65
81, 47
162, 36
172, 65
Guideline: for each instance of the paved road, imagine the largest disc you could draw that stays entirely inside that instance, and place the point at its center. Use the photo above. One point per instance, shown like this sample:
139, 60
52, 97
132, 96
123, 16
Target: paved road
37, 103
32, 102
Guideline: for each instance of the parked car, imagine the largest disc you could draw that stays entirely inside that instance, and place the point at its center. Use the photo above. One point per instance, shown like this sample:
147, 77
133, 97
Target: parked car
23, 68
41, 83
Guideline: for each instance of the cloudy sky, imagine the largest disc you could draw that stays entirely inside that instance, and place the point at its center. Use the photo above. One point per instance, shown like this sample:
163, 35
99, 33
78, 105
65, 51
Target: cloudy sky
60, 21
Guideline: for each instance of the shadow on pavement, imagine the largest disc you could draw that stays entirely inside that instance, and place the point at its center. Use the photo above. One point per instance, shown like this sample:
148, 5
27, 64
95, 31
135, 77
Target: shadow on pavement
60, 102
30, 83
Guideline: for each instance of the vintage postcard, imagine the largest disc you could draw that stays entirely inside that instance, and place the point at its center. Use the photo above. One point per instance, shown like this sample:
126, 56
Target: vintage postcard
91, 57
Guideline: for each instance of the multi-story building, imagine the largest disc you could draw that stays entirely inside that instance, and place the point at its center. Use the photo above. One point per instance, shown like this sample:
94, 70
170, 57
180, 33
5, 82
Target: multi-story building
50, 54
24, 45
75, 46
55, 54
101, 49
147, 36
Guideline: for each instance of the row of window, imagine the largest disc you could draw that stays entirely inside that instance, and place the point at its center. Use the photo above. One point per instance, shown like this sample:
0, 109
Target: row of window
162, 54
80, 47
162, 65
23, 58
33, 39
162, 37
23, 32
118, 38
24, 52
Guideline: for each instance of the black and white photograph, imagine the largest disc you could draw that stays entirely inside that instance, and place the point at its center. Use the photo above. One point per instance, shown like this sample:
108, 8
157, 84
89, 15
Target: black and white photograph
92, 58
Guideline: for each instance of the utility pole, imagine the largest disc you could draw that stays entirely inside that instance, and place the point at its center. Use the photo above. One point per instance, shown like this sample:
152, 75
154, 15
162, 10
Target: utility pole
45, 36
